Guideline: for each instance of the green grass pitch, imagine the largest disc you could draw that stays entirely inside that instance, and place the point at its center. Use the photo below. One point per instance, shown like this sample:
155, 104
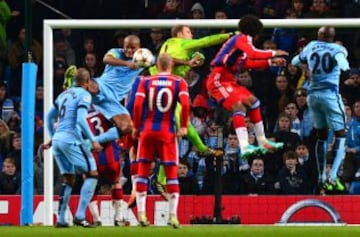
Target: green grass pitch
185, 231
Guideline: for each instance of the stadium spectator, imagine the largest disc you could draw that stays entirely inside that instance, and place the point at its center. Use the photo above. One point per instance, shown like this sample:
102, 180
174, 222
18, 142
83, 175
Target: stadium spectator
17, 55
5, 16
10, 179
172, 10
59, 73
320, 9
187, 180
286, 38
280, 93
7, 106
353, 150
5, 138
92, 64
292, 110
15, 150
235, 9
282, 134
197, 12
292, 178
199, 114
269, 9
307, 161
155, 40
295, 75
351, 87
62, 48
257, 181
305, 116
299, 7
88, 46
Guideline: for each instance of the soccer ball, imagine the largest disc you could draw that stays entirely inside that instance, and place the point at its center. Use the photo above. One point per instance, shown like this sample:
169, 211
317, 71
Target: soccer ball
143, 57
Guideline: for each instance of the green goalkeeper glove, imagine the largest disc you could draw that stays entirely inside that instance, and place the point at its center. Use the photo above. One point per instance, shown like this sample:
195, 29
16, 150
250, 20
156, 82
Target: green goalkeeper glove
69, 77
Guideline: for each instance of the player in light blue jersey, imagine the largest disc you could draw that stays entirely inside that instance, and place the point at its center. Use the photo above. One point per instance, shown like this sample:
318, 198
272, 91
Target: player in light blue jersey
115, 83
70, 109
326, 60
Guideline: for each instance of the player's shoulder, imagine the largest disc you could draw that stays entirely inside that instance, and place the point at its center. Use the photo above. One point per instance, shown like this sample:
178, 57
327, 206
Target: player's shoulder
242, 37
115, 52
339, 47
83, 94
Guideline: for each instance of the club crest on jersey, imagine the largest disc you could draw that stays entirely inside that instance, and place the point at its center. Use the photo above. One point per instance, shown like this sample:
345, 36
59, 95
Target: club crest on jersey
87, 98
229, 88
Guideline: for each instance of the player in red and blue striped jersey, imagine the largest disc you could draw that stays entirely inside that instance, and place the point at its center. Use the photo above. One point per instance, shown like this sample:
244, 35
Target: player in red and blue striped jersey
108, 163
154, 117
238, 53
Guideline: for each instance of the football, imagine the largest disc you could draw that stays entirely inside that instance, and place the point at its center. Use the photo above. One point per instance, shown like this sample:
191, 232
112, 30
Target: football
143, 57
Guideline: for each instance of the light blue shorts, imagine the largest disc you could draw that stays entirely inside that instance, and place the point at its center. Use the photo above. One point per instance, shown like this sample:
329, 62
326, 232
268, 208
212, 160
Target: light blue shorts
107, 103
327, 108
73, 158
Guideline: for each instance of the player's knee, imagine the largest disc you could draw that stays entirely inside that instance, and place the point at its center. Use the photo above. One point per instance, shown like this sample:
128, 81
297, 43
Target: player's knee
253, 102
124, 127
238, 107
69, 179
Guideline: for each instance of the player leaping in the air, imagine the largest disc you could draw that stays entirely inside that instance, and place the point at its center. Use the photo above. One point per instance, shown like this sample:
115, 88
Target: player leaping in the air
326, 59
239, 53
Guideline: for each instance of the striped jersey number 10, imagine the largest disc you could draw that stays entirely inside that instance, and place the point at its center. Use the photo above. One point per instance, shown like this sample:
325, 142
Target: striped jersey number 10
159, 100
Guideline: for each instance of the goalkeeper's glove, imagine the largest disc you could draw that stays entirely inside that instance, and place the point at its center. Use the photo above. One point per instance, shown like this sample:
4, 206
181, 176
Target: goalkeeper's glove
69, 77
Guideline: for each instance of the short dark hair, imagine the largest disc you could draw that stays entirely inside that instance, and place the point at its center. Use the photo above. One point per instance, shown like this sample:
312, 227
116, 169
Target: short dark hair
290, 155
250, 25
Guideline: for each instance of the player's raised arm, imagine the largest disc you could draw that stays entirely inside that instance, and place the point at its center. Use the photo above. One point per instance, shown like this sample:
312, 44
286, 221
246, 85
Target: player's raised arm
112, 56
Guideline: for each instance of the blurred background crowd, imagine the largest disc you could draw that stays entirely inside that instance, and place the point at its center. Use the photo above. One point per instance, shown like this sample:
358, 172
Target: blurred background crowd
281, 90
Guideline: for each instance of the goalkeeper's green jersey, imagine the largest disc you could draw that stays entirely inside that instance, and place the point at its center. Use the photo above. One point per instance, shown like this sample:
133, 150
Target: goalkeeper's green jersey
183, 49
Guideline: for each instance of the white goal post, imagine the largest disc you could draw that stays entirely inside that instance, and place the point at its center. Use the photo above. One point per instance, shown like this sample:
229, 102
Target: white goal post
50, 25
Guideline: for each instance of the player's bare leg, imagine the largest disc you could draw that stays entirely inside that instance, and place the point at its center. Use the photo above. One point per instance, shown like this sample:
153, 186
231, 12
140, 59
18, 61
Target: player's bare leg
133, 172
141, 192
123, 122
118, 204
94, 210
174, 193
255, 117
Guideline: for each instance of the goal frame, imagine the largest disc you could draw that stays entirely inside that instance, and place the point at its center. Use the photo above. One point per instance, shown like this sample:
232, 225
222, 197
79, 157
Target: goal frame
50, 25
